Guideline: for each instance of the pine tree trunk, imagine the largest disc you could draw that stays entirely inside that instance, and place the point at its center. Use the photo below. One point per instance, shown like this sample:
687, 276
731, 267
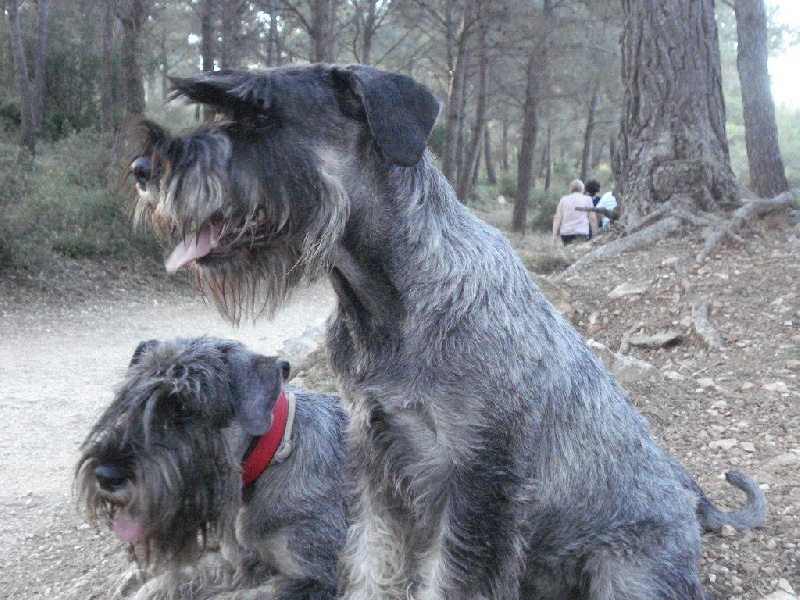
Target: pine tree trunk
40, 64
527, 146
588, 133
491, 174
767, 176
471, 158
132, 15
455, 101
548, 159
672, 139
106, 79
367, 21
322, 30
504, 147
537, 65
274, 50
27, 139
230, 54
207, 48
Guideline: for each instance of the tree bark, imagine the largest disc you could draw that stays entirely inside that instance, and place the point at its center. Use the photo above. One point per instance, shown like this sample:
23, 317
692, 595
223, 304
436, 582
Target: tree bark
132, 15
106, 79
367, 25
207, 14
504, 147
465, 175
455, 101
230, 54
274, 50
27, 139
672, 139
588, 133
527, 146
40, 65
537, 64
767, 176
491, 174
322, 30
548, 170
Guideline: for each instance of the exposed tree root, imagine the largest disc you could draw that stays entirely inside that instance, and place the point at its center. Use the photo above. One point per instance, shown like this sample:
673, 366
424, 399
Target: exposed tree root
703, 326
751, 209
641, 239
670, 216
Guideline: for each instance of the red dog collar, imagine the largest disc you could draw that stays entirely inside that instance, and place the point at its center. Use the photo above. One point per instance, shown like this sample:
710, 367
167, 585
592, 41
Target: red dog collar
267, 445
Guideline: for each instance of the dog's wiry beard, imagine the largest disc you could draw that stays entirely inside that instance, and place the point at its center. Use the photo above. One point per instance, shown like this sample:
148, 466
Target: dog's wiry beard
187, 500
271, 239
260, 280
179, 492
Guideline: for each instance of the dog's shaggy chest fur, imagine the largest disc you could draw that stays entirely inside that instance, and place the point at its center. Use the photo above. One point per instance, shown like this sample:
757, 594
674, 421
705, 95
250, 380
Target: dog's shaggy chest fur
492, 455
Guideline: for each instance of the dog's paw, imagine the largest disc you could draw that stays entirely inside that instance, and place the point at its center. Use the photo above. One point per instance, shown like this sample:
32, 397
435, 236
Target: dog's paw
126, 586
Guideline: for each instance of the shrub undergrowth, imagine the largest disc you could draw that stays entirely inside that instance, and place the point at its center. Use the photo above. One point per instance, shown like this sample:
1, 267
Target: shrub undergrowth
69, 205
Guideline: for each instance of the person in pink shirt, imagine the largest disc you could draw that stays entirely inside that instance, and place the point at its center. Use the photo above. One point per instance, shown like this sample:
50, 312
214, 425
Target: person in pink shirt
574, 225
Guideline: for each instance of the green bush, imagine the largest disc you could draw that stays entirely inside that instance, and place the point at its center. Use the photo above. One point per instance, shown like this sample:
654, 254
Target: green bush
508, 186
546, 262
68, 206
10, 118
544, 205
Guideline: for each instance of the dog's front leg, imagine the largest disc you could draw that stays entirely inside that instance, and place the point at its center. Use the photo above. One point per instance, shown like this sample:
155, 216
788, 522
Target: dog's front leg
212, 577
280, 587
127, 585
479, 547
374, 558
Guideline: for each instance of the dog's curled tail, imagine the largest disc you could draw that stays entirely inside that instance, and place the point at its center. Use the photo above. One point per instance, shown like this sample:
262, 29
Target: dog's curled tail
750, 515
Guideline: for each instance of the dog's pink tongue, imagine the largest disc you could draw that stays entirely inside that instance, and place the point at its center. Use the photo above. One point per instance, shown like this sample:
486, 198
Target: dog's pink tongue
190, 249
126, 528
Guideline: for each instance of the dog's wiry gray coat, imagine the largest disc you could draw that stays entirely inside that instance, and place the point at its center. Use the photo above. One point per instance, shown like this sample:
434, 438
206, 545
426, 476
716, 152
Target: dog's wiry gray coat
166, 458
493, 456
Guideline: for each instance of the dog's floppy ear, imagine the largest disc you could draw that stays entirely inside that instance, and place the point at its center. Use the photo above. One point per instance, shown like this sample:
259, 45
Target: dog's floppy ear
141, 349
233, 92
256, 382
400, 112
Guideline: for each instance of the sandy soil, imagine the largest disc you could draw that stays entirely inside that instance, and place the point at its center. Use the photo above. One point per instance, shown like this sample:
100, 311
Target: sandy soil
61, 352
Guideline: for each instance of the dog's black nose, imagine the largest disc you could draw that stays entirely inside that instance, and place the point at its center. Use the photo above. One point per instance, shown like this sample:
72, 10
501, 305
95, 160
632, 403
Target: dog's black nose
109, 477
141, 170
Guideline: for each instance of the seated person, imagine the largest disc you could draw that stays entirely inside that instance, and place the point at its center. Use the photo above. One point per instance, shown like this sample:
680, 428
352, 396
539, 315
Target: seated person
574, 225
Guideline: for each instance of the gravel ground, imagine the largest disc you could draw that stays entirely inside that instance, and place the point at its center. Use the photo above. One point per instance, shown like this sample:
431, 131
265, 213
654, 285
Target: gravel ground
65, 341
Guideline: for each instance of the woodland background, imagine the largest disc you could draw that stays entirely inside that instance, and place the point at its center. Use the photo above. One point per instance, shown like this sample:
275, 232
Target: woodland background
536, 92
644, 95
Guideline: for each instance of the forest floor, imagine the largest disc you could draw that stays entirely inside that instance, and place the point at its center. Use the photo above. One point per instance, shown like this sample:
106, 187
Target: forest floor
65, 341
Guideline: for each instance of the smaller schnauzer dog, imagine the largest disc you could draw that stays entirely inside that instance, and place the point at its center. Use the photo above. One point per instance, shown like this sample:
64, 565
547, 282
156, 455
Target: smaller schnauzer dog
203, 447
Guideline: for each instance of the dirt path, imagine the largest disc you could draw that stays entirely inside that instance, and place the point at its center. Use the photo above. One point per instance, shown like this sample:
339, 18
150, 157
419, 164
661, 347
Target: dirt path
58, 366
735, 408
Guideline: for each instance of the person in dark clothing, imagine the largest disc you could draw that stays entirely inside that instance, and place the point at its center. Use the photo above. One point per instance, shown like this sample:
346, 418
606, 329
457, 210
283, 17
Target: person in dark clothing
593, 190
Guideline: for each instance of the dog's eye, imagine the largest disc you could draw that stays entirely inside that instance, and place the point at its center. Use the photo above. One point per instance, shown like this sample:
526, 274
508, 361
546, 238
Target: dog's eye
141, 169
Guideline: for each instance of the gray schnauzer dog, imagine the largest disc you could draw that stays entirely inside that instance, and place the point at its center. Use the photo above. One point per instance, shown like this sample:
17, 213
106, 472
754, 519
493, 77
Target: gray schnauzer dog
493, 456
229, 485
